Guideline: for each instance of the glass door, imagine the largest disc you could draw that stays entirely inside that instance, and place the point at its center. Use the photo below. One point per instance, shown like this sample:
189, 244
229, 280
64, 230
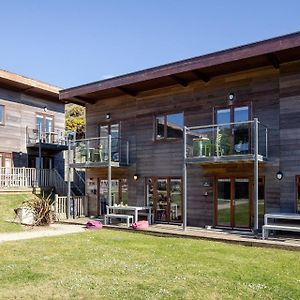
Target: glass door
224, 202
241, 203
232, 138
165, 196
233, 202
114, 131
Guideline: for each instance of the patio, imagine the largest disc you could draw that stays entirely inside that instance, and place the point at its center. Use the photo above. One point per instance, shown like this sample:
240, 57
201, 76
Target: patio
246, 238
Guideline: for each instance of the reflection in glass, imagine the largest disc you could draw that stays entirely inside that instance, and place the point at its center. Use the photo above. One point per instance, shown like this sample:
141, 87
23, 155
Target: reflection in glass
149, 192
241, 131
261, 199
1, 114
176, 200
160, 127
223, 202
175, 125
241, 202
162, 200
39, 122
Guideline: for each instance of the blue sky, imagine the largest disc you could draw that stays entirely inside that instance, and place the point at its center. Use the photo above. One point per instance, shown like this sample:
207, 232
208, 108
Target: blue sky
72, 42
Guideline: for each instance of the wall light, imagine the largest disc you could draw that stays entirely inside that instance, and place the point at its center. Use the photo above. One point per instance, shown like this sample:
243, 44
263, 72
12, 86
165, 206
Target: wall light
135, 177
231, 98
279, 175
107, 116
45, 108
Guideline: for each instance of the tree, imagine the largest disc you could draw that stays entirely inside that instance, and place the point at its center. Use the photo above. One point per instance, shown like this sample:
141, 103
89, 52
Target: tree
75, 120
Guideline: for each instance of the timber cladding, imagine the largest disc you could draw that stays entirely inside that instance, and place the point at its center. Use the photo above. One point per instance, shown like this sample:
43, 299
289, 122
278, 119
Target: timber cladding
273, 96
20, 111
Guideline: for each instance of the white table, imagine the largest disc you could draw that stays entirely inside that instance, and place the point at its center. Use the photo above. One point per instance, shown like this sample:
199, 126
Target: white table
136, 209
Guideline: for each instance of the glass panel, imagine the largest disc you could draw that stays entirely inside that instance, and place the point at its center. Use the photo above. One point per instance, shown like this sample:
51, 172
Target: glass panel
223, 116
261, 198
223, 202
175, 125
1, 160
124, 189
1, 114
160, 127
162, 200
40, 122
241, 202
149, 192
241, 131
114, 130
223, 133
49, 124
176, 200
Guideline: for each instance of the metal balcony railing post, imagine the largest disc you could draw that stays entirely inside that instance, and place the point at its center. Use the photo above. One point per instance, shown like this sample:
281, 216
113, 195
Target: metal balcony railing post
109, 170
255, 190
184, 179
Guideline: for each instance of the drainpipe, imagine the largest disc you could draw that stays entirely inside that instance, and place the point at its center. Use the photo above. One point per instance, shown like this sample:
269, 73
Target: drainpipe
255, 190
184, 181
109, 170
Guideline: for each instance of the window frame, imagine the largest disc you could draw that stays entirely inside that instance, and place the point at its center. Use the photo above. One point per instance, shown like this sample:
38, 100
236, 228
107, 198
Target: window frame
165, 137
4, 156
4, 115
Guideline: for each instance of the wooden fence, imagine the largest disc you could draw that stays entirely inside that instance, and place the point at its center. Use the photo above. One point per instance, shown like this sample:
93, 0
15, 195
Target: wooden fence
77, 207
31, 177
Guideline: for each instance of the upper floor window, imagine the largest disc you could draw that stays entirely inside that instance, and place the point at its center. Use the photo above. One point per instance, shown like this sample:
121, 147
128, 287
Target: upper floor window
45, 122
169, 126
1, 114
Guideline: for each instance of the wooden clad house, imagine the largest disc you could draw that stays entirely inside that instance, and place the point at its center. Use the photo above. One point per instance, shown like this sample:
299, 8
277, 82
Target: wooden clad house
32, 121
205, 140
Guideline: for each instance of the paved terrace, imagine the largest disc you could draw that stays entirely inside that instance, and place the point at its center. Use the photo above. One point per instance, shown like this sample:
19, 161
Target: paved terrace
287, 242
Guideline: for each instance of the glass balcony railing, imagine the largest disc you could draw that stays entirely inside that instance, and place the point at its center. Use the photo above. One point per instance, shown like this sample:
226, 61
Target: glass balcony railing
227, 140
99, 150
34, 136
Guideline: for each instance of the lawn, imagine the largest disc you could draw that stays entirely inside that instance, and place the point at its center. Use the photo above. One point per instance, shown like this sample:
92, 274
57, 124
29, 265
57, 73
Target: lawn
7, 205
109, 264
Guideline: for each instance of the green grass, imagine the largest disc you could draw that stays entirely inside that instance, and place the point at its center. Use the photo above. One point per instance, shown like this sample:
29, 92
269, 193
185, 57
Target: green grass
110, 264
7, 205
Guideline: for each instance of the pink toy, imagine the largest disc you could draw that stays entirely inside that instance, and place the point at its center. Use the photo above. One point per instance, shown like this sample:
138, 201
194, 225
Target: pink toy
140, 225
93, 224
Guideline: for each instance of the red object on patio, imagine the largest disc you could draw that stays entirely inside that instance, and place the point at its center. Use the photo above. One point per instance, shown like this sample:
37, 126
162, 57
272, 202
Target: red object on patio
140, 225
93, 224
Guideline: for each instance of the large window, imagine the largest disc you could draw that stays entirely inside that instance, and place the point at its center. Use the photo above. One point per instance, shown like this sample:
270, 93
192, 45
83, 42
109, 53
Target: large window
169, 126
1, 114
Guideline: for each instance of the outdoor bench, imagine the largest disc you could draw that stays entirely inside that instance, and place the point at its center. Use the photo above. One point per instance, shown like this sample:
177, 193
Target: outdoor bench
108, 217
280, 226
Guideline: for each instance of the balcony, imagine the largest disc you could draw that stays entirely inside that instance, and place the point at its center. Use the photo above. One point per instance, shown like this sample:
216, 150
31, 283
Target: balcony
55, 140
223, 143
100, 152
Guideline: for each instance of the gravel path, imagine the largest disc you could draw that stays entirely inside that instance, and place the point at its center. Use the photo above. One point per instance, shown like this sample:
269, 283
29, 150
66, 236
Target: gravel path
53, 230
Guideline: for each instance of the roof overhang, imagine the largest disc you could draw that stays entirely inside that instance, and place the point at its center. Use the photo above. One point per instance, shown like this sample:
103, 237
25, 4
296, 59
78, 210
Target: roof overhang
29, 86
271, 52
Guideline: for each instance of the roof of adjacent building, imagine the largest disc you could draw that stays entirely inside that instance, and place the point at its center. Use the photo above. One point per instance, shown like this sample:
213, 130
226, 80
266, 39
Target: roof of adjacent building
27, 85
271, 52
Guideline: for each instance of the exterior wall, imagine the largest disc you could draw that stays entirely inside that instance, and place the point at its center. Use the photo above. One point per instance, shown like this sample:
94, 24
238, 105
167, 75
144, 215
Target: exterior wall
273, 95
20, 111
